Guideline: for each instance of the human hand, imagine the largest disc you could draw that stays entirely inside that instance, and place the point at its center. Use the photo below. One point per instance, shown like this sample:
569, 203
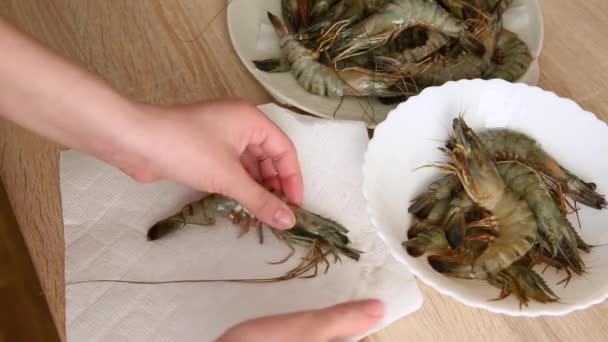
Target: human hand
223, 147
346, 320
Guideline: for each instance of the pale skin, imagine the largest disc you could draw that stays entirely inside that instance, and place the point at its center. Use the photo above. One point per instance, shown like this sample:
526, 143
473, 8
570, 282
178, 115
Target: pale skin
228, 146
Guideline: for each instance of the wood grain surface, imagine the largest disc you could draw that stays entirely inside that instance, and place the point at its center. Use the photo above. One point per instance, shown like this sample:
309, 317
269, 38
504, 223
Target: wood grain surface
25, 314
151, 50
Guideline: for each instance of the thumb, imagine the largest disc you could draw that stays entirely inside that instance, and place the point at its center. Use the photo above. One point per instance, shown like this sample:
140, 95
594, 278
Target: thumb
264, 205
349, 319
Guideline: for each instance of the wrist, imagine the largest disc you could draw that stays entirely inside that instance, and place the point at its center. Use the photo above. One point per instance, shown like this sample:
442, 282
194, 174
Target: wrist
126, 137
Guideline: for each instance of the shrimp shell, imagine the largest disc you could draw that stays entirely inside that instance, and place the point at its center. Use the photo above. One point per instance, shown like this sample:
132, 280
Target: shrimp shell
321, 80
507, 145
392, 19
398, 15
484, 185
309, 230
555, 231
396, 61
512, 57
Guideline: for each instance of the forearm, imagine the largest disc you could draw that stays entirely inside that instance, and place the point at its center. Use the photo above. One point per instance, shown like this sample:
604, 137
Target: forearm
48, 95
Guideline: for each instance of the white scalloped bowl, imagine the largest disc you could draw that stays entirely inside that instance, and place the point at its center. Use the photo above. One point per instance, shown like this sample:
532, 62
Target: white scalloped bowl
254, 39
409, 138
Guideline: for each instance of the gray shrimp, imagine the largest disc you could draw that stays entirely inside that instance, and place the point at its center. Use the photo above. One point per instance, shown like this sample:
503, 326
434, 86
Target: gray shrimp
556, 233
483, 183
512, 58
392, 19
508, 145
396, 61
321, 80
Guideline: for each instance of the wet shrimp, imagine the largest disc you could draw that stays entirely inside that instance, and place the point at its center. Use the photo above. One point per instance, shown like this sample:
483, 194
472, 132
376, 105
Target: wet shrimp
512, 58
556, 233
321, 80
396, 61
508, 145
310, 230
392, 19
484, 185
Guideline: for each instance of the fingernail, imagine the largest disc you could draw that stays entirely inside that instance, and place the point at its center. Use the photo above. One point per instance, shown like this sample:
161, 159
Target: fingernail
284, 218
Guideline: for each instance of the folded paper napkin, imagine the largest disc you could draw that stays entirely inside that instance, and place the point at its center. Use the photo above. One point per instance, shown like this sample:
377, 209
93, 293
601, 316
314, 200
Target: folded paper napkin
106, 217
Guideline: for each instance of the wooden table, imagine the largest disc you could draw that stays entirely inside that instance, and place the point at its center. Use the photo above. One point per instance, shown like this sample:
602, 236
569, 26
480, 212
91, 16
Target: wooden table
144, 48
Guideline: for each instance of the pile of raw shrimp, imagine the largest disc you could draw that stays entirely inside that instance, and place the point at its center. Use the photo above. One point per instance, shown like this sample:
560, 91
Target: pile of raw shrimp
499, 210
392, 49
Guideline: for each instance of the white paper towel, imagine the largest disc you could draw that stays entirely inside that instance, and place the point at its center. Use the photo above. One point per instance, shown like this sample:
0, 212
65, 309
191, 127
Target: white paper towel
106, 216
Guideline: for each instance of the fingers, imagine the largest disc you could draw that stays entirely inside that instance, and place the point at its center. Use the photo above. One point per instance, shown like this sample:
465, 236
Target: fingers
341, 321
268, 172
273, 145
349, 319
264, 205
250, 163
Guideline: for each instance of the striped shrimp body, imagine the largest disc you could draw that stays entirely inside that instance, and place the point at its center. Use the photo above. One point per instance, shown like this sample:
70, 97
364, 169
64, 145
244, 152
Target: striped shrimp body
392, 19
483, 183
460, 63
556, 233
512, 57
443, 69
398, 15
320, 79
507, 145
397, 61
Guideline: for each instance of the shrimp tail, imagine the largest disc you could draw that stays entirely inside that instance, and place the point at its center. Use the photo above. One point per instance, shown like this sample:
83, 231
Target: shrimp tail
422, 204
273, 65
455, 227
414, 247
451, 266
428, 240
541, 286
523, 283
278, 24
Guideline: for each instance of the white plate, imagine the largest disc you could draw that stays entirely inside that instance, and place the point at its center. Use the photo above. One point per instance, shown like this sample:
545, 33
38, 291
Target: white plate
409, 138
253, 39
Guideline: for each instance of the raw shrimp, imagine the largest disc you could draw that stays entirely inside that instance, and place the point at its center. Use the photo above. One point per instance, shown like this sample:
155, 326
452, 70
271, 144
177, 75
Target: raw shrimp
325, 236
429, 240
459, 63
512, 57
434, 42
421, 205
322, 80
484, 185
391, 20
508, 145
524, 283
556, 234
